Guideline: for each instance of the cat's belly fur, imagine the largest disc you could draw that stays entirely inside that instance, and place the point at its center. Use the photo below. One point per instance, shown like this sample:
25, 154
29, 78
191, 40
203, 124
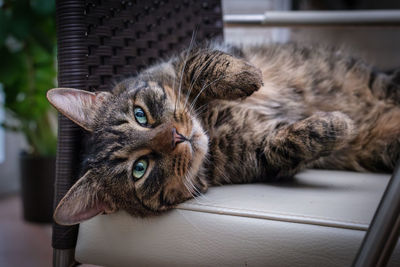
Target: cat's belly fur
294, 91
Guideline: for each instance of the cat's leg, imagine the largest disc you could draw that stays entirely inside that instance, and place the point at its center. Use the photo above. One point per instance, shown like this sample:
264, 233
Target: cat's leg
246, 146
209, 74
386, 86
376, 147
292, 147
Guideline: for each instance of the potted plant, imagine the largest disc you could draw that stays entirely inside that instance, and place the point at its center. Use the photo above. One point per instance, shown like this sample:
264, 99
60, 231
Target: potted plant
27, 71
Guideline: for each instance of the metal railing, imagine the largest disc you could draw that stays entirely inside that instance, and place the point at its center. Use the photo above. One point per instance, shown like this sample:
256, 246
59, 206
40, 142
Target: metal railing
316, 18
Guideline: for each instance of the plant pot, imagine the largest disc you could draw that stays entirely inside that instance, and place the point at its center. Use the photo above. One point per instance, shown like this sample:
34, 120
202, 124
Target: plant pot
37, 184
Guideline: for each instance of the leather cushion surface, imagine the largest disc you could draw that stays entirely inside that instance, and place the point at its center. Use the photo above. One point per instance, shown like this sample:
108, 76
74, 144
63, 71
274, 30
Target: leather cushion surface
318, 219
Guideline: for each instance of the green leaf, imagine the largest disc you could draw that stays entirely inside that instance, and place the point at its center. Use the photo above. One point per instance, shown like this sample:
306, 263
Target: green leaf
27, 73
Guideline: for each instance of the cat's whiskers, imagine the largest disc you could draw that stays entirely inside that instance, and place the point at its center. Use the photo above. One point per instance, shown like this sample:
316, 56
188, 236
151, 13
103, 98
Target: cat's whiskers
223, 175
188, 187
183, 69
192, 186
200, 195
202, 90
181, 212
193, 83
194, 189
194, 192
199, 110
208, 85
173, 89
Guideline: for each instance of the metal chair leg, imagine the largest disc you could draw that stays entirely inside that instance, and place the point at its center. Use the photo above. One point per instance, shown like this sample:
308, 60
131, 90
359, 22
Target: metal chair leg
383, 232
64, 258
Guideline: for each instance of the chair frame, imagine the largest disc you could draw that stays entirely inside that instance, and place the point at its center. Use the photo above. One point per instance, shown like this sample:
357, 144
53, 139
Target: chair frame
101, 41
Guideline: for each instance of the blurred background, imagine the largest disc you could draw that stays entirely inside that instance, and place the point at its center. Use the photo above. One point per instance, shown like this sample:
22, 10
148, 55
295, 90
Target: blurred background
28, 130
29, 125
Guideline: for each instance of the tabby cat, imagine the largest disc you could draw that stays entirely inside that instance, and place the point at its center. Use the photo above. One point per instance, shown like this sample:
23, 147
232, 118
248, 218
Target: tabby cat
219, 114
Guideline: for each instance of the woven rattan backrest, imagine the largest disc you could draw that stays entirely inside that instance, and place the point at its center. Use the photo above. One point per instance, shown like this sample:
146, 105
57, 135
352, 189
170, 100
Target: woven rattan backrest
123, 37
100, 41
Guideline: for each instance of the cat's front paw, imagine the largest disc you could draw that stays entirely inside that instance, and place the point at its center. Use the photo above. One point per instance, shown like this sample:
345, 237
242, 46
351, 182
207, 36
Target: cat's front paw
217, 75
242, 79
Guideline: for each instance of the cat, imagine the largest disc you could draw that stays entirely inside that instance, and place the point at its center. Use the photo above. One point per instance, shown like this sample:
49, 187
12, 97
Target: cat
219, 114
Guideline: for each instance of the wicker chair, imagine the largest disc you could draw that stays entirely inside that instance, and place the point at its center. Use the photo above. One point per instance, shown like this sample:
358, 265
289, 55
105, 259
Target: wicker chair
99, 41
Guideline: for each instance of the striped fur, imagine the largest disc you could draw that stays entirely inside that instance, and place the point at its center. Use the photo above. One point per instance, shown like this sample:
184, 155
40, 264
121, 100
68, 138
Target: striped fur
251, 114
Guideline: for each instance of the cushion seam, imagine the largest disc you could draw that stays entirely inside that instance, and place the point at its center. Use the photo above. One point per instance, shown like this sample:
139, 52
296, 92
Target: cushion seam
279, 213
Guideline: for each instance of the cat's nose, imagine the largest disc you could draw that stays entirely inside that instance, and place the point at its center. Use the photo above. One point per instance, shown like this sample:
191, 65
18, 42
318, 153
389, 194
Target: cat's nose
177, 138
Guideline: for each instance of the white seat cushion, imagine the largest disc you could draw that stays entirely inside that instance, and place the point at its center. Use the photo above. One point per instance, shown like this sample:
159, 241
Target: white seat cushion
319, 219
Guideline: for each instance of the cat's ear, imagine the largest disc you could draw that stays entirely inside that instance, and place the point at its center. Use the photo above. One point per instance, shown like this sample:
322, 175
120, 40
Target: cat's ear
77, 105
83, 201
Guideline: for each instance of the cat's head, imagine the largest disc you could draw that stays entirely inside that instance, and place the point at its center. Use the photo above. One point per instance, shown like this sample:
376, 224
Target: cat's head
147, 145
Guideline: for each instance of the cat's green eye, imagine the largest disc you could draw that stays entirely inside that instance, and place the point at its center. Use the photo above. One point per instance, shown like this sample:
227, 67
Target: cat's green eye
139, 168
140, 116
